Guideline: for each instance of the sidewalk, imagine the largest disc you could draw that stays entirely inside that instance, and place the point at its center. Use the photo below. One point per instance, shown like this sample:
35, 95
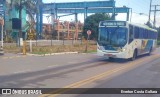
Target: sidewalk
61, 53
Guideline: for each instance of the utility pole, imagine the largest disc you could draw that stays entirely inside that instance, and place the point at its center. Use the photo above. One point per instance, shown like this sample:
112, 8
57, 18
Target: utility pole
155, 13
20, 39
1, 24
154, 22
150, 11
20, 17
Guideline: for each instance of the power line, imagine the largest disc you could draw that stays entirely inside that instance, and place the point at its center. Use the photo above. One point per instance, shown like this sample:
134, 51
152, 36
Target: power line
155, 10
155, 13
150, 10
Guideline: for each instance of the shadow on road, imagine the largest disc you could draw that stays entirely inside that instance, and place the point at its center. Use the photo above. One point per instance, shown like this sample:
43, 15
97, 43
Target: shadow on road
119, 60
34, 79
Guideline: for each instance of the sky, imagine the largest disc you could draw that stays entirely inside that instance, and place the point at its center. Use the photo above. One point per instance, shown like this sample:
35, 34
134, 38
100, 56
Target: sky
138, 6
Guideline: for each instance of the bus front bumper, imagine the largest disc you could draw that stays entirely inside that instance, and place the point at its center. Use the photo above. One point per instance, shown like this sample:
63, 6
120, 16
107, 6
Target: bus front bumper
112, 55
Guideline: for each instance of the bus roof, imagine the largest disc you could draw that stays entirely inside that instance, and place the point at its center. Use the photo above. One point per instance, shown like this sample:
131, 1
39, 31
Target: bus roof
142, 26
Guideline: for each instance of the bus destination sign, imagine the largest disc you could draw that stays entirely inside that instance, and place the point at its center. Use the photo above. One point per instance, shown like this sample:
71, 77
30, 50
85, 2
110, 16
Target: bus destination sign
113, 23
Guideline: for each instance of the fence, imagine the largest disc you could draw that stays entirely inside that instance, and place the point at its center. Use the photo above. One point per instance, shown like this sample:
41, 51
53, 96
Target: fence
50, 45
54, 41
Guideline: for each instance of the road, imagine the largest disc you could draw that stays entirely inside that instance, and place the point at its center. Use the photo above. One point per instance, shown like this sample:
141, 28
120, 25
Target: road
79, 71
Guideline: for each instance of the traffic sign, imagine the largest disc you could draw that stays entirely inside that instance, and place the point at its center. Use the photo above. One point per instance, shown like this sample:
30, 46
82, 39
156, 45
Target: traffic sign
30, 36
89, 32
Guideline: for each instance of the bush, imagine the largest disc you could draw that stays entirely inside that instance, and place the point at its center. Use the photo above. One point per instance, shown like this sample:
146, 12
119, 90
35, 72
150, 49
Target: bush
158, 41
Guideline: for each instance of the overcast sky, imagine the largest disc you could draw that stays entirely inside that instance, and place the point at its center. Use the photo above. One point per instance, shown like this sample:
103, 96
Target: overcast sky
138, 6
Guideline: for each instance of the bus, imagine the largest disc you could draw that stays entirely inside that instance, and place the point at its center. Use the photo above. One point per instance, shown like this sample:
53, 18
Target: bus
122, 39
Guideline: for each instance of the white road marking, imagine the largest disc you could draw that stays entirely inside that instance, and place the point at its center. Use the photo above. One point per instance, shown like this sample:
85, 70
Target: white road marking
52, 66
73, 62
24, 71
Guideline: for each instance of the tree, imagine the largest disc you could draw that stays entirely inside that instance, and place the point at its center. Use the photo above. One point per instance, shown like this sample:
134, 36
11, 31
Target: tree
28, 5
92, 23
31, 10
158, 29
149, 24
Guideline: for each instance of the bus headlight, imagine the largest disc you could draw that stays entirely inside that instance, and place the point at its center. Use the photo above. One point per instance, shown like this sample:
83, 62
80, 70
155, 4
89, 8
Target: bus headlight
123, 50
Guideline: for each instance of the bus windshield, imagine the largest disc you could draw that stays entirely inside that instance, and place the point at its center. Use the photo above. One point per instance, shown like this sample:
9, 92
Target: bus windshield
115, 36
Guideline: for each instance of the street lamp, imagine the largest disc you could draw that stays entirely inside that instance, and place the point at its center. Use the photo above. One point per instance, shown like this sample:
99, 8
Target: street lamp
142, 14
1, 23
149, 21
137, 13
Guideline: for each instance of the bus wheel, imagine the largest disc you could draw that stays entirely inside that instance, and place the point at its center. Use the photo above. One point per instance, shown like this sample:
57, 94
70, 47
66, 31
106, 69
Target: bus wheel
110, 59
150, 51
134, 55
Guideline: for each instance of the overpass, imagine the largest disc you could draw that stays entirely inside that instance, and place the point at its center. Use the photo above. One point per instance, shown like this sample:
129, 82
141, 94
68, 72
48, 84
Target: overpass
71, 8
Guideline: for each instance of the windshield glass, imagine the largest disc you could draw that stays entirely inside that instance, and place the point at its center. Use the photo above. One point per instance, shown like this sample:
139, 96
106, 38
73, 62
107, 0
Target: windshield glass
115, 36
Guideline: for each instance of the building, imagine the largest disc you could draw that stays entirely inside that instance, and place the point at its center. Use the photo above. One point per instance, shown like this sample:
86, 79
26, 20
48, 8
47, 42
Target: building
62, 29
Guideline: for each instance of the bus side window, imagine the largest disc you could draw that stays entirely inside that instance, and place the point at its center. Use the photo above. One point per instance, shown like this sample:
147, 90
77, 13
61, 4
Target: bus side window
130, 33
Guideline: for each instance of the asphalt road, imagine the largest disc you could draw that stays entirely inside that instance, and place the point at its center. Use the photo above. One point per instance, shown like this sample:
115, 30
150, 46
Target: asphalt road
79, 71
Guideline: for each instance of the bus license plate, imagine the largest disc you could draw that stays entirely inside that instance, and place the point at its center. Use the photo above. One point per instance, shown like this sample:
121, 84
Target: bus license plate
109, 55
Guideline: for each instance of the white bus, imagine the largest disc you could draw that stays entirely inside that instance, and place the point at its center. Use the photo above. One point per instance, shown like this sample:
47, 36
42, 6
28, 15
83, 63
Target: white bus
121, 39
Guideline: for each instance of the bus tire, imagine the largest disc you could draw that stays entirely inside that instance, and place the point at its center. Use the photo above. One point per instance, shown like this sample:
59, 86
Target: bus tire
150, 51
110, 59
134, 55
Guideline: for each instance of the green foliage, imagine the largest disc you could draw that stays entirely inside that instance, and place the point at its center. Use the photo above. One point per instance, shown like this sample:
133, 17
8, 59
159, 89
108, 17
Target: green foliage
28, 5
31, 10
158, 32
158, 42
92, 23
149, 24
158, 29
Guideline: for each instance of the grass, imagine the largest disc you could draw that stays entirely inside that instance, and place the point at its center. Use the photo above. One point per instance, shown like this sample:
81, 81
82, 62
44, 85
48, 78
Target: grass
91, 51
11, 49
52, 49
63, 48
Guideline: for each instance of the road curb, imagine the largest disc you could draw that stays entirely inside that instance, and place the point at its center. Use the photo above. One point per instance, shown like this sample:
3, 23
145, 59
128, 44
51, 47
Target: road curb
62, 53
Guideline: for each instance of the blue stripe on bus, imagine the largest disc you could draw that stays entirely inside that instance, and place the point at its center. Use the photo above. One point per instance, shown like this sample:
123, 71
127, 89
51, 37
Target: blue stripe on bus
148, 45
